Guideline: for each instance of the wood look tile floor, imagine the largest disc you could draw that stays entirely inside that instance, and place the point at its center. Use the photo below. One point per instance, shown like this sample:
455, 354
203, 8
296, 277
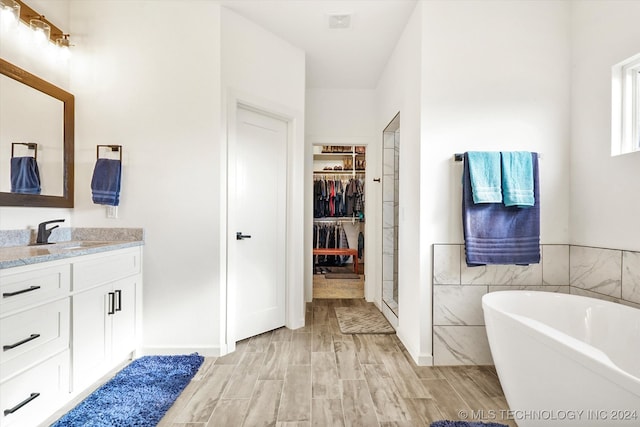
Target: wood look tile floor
317, 376
324, 288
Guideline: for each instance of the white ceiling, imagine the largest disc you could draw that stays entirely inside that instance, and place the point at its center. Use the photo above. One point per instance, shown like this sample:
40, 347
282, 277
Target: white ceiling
336, 58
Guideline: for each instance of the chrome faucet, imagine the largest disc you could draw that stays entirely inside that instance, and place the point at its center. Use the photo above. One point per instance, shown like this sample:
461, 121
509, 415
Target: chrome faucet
44, 232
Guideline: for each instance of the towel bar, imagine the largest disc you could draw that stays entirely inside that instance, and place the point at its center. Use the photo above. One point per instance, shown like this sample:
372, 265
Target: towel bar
117, 148
458, 157
30, 146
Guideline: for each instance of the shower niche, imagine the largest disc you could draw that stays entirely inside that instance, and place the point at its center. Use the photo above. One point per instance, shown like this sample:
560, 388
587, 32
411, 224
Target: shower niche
390, 213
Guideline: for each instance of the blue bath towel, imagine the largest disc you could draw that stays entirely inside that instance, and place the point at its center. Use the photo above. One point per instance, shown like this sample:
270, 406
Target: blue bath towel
25, 176
105, 184
484, 169
517, 178
499, 234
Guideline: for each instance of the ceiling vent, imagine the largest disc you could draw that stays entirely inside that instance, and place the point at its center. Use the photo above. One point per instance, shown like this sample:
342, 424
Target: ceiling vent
340, 20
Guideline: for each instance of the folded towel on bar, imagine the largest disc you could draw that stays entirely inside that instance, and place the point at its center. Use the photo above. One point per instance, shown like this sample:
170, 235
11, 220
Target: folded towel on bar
517, 179
499, 234
484, 169
25, 176
105, 183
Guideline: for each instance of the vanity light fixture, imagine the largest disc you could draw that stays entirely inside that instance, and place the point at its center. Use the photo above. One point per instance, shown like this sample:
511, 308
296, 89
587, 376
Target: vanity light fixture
43, 28
9, 12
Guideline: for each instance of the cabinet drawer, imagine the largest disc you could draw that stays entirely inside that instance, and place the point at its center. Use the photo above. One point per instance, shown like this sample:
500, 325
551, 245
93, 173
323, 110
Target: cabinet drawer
31, 336
102, 269
41, 391
26, 286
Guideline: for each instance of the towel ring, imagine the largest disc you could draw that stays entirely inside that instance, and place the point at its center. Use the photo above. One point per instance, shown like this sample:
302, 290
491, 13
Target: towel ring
30, 145
117, 148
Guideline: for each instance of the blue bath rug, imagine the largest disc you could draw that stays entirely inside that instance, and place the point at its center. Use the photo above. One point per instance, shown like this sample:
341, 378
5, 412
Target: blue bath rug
447, 423
139, 395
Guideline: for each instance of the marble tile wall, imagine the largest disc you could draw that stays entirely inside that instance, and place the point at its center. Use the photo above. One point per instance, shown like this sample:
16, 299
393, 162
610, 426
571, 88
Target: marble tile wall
459, 335
608, 274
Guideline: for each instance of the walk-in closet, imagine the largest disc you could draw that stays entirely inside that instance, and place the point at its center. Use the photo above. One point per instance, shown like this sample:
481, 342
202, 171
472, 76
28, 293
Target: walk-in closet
338, 221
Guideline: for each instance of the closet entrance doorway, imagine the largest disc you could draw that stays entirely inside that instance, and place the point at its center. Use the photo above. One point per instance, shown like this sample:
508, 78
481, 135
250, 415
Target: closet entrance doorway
339, 221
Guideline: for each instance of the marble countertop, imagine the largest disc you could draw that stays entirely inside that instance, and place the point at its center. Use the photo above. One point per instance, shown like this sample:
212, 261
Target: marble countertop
23, 255
17, 248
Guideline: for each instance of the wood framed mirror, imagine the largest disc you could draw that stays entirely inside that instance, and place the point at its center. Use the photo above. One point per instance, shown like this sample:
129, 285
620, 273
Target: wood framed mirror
34, 111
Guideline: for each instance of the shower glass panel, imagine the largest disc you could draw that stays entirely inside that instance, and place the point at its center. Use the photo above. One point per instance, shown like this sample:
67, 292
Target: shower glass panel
390, 187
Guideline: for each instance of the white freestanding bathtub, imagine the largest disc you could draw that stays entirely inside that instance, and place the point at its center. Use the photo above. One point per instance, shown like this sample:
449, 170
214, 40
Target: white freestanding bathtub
565, 360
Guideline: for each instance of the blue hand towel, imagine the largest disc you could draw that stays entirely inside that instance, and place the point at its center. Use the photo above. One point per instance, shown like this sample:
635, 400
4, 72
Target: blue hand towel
517, 178
499, 234
25, 176
105, 183
484, 169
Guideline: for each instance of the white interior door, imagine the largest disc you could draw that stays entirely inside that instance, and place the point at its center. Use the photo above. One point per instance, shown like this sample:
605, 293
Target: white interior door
257, 208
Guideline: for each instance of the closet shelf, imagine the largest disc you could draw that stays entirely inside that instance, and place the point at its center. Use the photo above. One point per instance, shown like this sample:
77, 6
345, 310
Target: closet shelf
332, 155
333, 172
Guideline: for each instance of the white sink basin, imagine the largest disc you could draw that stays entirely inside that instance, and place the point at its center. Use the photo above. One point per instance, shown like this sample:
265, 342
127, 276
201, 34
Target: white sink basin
68, 246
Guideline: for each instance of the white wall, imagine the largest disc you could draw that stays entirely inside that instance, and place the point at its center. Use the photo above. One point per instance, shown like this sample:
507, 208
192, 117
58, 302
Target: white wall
492, 75
160, 95
604, 189
345, 116
155, 90
495, 77
340, 113
399, 91
268, 73
16, 48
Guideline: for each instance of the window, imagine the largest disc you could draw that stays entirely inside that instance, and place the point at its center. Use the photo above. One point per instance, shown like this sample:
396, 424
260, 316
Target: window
625, 107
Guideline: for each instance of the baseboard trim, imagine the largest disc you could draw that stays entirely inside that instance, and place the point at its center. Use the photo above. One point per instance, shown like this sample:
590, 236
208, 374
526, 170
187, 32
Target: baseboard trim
173, 351
420, 359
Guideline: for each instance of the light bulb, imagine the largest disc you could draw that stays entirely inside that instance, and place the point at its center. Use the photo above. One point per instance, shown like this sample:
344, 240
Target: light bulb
63, 47
9, 13
41, 31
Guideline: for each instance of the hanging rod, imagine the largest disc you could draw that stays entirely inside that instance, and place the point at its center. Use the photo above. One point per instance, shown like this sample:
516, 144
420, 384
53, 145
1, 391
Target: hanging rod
459, 157
30, 146
117, 148
351, 219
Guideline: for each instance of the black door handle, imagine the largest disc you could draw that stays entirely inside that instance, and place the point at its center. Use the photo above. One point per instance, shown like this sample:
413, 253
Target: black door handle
240, 236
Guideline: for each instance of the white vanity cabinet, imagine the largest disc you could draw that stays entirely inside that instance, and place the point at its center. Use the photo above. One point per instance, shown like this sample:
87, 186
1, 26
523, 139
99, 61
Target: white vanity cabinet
34, 333
63, 325
106, 301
